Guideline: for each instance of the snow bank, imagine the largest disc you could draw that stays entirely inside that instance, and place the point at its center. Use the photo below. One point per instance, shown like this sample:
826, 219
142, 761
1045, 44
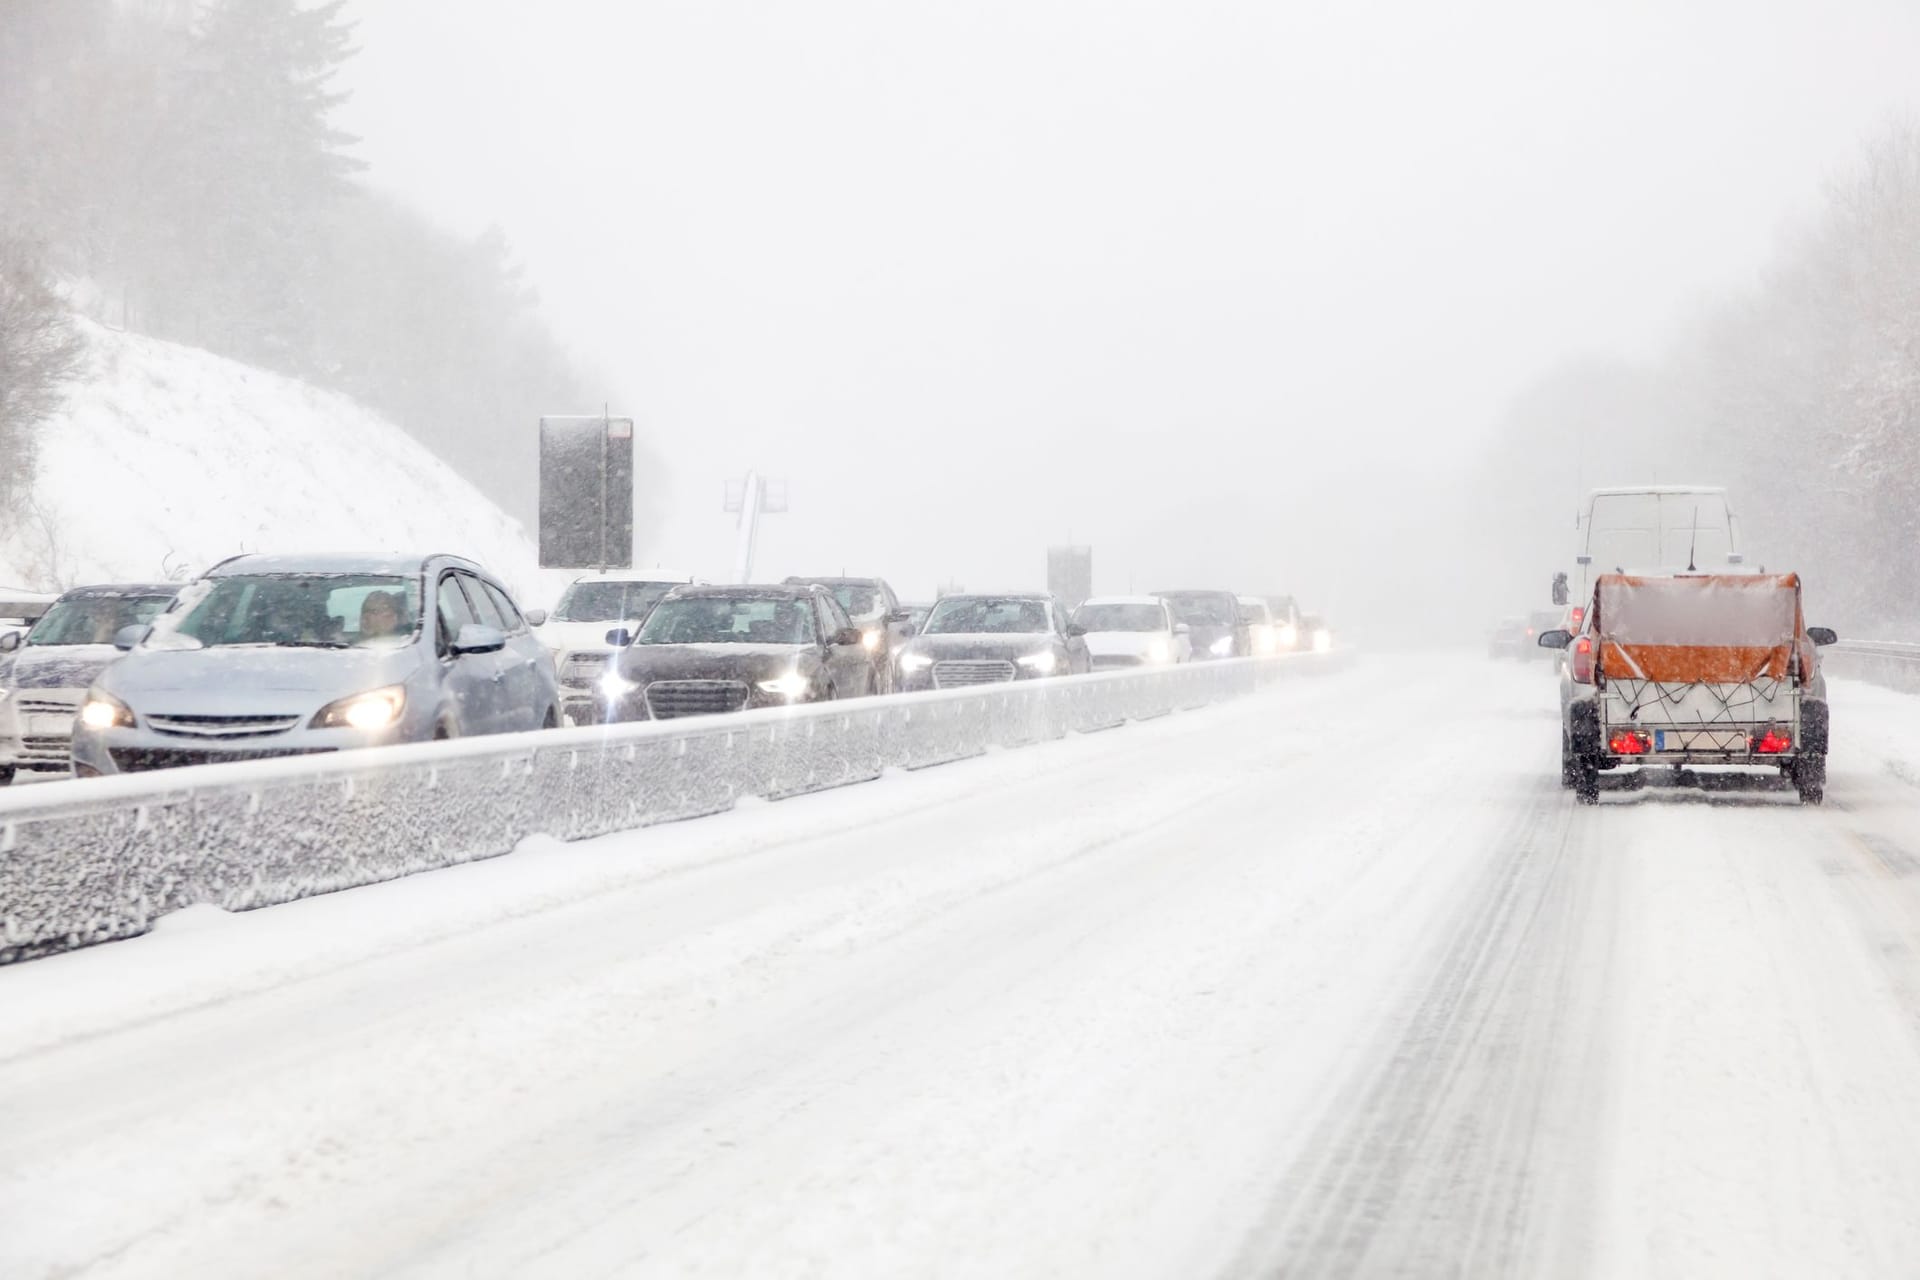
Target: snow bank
167, 459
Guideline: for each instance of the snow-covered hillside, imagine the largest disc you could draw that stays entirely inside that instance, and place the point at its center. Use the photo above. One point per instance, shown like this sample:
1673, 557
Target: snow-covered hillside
167, 458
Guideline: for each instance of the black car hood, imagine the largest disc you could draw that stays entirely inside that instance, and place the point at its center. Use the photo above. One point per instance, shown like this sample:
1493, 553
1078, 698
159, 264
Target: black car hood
1007, 646
645, 663
61, 666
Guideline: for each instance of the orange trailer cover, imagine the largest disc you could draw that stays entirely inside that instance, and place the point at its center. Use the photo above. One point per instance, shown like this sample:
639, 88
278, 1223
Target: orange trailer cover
1698, 629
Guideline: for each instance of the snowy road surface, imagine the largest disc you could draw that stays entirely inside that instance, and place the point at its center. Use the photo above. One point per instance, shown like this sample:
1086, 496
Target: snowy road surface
1335, 980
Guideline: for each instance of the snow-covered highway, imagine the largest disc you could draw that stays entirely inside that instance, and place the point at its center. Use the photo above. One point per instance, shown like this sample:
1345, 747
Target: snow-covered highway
1330, 980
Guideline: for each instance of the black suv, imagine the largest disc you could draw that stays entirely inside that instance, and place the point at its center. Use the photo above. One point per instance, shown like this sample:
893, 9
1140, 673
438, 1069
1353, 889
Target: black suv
708, 649
876, 610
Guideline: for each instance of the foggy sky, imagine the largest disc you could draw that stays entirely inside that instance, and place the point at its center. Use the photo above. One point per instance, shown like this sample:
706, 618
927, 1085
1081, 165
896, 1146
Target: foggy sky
1220, 289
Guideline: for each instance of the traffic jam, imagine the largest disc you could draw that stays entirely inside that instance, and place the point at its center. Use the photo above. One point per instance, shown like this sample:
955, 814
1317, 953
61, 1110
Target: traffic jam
266, 656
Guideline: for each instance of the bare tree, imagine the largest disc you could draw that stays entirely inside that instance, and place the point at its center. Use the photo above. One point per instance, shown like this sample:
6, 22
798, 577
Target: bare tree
40, 350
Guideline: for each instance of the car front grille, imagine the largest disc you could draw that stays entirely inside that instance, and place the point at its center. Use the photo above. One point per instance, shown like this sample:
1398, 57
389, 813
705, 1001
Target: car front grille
958, 673
46, 749
44, 706
583, 670
1107, 661
142, 759
224, 727
668, 699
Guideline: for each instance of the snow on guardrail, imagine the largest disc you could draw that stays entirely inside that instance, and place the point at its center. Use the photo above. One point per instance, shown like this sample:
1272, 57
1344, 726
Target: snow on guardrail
1892, 663
89, 861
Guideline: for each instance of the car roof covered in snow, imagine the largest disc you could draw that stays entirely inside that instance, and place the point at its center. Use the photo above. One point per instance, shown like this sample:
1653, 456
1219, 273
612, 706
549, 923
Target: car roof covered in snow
394, 562
1152, 600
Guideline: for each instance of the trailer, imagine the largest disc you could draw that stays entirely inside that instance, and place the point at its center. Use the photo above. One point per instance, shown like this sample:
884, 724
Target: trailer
1694, 669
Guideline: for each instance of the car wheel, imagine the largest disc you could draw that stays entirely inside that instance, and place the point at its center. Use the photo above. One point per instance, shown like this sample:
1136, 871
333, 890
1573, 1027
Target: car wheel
1810, 778
552, 721
6, 775
442, 731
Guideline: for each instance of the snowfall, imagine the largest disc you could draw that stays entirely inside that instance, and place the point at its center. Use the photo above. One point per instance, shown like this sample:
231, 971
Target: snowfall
1334, 979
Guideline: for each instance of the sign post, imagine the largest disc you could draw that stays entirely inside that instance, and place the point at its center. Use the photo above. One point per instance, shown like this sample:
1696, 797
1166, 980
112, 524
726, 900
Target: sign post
586, 492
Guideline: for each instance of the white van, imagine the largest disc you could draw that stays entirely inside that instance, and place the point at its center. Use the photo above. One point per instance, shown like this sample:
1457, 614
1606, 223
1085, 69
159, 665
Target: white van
1652, 529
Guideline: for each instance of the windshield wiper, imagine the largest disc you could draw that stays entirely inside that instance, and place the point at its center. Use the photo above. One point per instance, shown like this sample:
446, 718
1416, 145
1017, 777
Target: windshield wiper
311, 644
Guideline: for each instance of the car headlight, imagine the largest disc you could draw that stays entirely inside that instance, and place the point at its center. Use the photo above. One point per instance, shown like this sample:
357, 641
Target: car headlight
871, 639
364, 711
1158, 650
104, 711
1322, 640
1289, 636
1043, 662
1222, 647
614, 686
915, 662
790, 685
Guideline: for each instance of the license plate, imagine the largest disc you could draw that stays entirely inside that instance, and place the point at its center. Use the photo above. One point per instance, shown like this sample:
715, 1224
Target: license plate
40, 725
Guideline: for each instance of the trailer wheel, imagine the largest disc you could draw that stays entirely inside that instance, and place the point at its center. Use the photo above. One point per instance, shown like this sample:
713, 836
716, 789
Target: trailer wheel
1810, 778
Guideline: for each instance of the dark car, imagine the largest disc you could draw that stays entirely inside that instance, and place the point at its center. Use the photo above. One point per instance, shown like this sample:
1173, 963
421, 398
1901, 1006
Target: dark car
44, 673
1217, 625
990, 639
713, 649
874, 608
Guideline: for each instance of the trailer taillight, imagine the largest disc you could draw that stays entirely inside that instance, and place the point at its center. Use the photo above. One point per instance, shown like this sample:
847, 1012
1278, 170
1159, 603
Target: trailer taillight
1772, 743
1630, 742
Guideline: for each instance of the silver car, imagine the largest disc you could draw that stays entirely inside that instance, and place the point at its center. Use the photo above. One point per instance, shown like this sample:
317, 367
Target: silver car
293, 655
45, 670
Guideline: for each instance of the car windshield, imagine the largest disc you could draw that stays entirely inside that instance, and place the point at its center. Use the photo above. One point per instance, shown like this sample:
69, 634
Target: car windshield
305, 611
95, 619
1203, 608
1121, 617
609, 601
977, 615
859, 602
729, 620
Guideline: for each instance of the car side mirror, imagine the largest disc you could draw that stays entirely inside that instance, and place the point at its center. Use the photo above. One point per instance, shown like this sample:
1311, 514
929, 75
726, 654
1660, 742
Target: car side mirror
129, 636
477, 637
9, 642
1554, 639
1182, 629
1822, 635
1075, 629
899, 615
535, 617
908, 630
619, 637
847, 635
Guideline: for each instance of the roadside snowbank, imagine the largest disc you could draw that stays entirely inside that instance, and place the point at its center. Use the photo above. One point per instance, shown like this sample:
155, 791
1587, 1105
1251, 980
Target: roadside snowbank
167, 458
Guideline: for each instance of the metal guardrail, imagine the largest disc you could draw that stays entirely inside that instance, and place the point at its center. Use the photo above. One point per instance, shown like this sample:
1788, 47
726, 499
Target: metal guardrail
1892, 663
93, 860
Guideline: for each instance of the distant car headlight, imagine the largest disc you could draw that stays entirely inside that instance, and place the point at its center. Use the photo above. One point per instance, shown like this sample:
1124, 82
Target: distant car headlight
915, 662
1158, 650
871, 639
790, 685
1289, 635
1222, 647
614, 686
364, 711
1043, 662
104, 711
1322, 640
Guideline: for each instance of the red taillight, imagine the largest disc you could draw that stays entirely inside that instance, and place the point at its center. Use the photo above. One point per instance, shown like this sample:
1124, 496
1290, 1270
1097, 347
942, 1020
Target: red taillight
1772, 743
1583, 660
1579, 616
1630, 743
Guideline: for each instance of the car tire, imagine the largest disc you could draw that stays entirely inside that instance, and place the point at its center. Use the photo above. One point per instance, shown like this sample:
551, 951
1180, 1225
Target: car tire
442, 732
6, 775
1809, 776
552, 721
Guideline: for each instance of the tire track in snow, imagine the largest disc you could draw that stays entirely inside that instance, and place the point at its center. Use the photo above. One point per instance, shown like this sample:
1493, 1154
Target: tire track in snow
1432, 1164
